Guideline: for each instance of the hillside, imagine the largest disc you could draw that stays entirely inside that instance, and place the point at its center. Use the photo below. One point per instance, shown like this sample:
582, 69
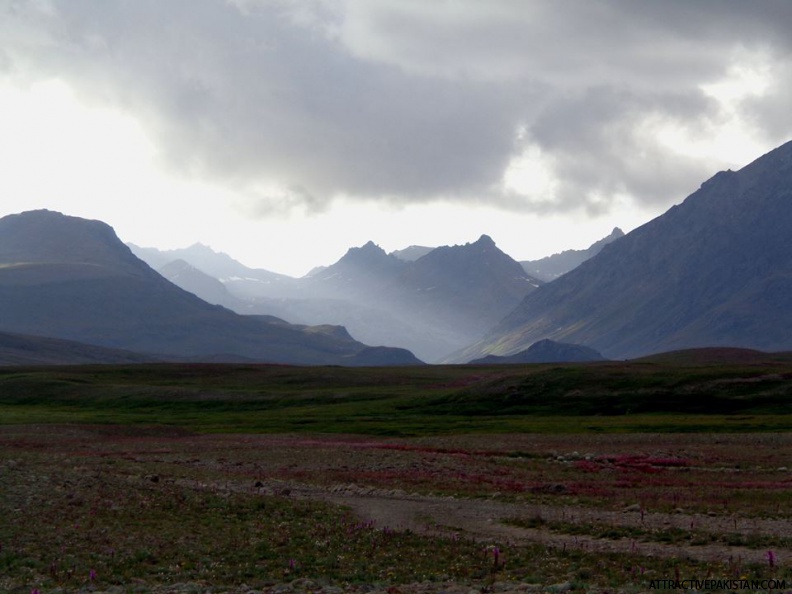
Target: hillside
70, 278
20, 349
715, 270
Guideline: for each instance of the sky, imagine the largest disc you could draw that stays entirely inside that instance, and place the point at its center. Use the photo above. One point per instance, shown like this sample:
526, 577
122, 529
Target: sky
283, 132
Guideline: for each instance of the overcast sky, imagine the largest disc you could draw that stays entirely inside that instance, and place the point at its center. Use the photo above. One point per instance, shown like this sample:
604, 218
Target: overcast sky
285, 131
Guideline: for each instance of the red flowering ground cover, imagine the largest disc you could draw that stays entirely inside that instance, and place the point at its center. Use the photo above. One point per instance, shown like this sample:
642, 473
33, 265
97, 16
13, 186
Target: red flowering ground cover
95, 507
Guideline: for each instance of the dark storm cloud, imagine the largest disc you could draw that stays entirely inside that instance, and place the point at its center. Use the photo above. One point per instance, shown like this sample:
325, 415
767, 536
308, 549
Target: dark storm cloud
408, 100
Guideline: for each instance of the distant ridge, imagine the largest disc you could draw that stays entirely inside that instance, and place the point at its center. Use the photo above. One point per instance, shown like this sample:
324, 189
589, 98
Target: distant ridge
412, 253
238, 278
189, 278
551, 267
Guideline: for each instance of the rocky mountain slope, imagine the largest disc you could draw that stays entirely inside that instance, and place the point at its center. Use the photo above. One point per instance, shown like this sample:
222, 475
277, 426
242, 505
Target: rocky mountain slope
715, 270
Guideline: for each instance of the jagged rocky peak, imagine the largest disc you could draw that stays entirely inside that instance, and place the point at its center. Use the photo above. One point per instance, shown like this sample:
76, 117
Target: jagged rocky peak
371, 246
367, 248
485, 241
368, 253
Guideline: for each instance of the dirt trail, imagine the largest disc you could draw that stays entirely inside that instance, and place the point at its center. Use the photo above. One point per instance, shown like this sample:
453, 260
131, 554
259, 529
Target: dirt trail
484, 519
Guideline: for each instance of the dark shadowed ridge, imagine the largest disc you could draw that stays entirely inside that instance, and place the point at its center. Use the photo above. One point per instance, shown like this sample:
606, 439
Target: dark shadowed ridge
47, 237
715, 270
19, 349
73, 279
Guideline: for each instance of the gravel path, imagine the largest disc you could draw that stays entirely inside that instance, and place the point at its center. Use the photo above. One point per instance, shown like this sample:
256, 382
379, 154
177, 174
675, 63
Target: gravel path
485, 520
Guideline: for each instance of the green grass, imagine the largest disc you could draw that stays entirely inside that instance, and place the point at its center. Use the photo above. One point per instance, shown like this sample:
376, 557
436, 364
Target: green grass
623, 397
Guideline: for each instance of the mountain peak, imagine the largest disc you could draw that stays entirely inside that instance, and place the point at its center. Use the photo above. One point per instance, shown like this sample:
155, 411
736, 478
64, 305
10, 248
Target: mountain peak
199, 247
368, 258
46, 236
485, 240
367, 251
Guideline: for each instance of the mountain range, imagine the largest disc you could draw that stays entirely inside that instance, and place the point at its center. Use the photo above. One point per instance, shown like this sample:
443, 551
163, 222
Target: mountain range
715, 270
73, 279
432, 304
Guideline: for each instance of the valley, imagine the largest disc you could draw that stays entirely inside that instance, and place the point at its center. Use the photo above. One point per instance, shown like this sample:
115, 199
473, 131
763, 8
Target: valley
173, 478
623, 425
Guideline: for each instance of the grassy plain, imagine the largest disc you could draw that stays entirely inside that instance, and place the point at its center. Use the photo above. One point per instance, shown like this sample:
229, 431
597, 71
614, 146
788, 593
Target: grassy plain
177, 478
412, 401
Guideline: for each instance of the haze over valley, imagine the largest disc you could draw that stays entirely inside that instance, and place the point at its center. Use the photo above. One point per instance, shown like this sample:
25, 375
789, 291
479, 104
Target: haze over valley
711, 272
